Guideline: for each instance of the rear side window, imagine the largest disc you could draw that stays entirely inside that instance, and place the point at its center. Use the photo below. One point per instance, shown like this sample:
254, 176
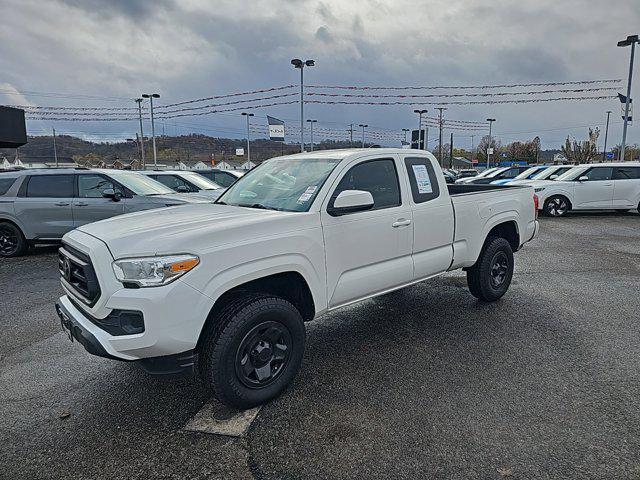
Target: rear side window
601, 173
621, 173
50, 186
5, 184
379, 177
422, 178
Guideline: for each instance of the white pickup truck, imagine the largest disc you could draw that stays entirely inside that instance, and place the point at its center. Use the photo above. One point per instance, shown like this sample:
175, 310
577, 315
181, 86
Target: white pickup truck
225, 288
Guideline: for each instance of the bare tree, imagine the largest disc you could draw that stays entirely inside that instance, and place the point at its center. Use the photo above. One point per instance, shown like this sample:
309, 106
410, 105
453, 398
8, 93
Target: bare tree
584, 151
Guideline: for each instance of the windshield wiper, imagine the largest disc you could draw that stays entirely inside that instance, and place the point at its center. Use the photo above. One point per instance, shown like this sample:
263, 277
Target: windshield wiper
257, 205
220, 203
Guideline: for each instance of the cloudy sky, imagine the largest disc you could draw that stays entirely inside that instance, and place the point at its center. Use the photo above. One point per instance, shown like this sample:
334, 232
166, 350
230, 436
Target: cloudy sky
99, 53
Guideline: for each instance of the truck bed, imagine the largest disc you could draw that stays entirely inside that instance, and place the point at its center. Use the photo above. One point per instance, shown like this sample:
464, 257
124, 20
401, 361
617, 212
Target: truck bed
464, 189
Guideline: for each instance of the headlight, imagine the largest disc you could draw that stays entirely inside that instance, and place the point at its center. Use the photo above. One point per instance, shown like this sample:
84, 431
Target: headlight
539, 189
153, 271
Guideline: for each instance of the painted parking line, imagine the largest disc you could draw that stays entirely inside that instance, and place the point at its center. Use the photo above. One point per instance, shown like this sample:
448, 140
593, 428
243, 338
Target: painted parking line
215, 419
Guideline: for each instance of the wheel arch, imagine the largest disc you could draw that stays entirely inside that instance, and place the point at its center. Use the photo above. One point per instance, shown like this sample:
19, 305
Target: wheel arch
290, 285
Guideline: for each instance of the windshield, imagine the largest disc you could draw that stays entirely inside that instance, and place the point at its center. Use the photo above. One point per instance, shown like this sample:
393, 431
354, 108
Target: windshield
141, 184
289, 184
486, 172
572, 174
529, 173
551, 171
199, 181
496, 172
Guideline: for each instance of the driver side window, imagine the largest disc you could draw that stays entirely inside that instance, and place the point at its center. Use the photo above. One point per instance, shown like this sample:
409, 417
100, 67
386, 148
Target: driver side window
378, 177
598, 173
92, 186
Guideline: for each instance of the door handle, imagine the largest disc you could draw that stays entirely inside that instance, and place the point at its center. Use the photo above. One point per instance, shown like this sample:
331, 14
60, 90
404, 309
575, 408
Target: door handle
81, 204
62, 204
401, 222
608, 184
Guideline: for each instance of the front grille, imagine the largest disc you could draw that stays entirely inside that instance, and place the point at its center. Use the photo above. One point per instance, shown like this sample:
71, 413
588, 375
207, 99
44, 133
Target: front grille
77, 274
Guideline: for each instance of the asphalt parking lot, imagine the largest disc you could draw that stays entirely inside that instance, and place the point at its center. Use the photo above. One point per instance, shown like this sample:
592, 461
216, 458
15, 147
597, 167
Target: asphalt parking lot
421, 383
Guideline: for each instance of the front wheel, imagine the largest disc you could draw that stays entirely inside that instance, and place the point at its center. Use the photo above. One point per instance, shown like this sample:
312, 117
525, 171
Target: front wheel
253, 350
489, 278
556, 206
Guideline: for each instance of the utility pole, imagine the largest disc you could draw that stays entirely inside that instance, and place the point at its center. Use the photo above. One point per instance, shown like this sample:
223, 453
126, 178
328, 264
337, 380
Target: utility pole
606, 135
451, 152
440, 136
55, 150
351, 135
472, 147
630, 40
151, 96
489, 147
363, 127
142, 164
297, 63
311, 122
248, 144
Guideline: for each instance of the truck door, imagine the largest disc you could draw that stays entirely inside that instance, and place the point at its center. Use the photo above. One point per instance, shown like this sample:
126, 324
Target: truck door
369, 251
433, 218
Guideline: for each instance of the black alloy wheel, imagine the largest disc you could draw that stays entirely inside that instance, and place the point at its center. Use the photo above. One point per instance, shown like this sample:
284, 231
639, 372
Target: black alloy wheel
263, 354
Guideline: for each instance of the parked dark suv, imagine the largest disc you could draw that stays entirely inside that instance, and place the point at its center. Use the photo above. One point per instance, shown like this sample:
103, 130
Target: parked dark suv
41, 205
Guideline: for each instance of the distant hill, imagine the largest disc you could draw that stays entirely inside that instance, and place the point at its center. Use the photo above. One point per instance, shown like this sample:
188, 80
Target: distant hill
186, 148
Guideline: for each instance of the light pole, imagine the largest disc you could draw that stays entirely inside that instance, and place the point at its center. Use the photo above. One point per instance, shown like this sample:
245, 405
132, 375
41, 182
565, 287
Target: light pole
151, 96
489, 147
363, 127
630, 40
139, 102
246, 114
420, 112
440, 109
311, 122
405, 130
350, 135
297, 63
55, 150
606, 135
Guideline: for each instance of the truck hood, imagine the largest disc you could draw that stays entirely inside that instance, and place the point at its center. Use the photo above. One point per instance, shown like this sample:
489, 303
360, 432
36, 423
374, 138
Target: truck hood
189, 228
179, 198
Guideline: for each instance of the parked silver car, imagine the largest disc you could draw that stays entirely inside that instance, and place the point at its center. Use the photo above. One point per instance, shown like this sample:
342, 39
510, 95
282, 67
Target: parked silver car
184, 181
41, 205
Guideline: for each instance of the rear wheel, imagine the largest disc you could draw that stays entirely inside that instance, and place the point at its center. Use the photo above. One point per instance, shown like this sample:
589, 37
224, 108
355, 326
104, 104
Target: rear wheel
12, 241
490, 277
253, 351
556, 206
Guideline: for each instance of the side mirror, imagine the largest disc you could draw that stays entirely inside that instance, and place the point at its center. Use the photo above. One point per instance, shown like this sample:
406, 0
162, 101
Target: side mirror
182, 189
350, 201
553, 177
112, 194
584, 178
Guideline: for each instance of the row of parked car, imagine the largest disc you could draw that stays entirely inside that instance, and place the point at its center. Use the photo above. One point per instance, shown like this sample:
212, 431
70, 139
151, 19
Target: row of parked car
41, 205
561, 188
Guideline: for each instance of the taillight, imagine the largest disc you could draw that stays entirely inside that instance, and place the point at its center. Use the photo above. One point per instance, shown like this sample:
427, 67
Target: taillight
536, 202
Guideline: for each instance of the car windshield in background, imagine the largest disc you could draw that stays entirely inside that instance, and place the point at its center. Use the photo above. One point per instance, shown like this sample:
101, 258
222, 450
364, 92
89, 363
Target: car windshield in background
571, 174
487, 172
529, 173
280, 184
141, 184
199, 181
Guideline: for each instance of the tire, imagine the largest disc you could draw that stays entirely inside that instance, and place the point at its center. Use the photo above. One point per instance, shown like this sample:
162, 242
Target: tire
253, 350
490, 277
12, 241
556, 206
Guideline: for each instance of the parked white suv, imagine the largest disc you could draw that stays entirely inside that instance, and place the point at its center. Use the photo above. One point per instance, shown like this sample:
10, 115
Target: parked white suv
607, 186
231, 284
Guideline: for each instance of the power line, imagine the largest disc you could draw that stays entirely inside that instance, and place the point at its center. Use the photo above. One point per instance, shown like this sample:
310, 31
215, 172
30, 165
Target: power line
455, 87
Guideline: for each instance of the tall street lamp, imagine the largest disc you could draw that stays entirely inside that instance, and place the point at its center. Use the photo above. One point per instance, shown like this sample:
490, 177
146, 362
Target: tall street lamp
246, 114
606, 135
489, 147
139, 102
297, 63
420, 112
311, 122
151, 96
630, 40
440, 109
363, 127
